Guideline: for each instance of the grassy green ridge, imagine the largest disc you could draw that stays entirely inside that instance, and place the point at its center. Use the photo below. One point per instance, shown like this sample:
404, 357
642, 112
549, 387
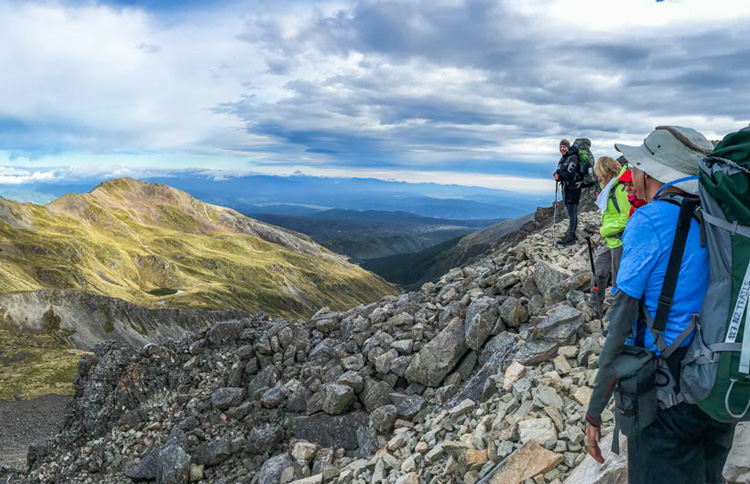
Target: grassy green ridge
32, 365
156, 247
127, 238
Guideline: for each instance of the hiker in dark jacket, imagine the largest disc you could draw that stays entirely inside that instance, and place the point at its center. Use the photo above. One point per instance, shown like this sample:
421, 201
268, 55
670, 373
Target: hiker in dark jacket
682, 444
568, 173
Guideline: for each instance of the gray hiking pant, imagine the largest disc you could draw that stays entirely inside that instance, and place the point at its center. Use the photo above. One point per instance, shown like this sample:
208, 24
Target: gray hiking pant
606, 265
683, 445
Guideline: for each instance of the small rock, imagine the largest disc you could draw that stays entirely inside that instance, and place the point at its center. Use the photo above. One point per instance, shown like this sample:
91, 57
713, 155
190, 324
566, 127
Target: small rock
383, 418
410, 478
223, 398
540, 430
582, 395
304, 451
463, 408
514, 372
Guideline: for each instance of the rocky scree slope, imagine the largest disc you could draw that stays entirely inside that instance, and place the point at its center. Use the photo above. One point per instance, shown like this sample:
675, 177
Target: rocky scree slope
156, 246
483, 376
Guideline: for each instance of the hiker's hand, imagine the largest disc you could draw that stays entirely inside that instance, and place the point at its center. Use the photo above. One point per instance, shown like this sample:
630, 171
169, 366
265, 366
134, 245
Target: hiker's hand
593, 435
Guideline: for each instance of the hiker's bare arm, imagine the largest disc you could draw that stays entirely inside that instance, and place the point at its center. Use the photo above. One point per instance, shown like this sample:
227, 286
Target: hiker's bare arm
593, 435
623, 313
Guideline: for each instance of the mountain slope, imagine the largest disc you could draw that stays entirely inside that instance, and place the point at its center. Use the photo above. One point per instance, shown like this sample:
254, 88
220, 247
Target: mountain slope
127, 238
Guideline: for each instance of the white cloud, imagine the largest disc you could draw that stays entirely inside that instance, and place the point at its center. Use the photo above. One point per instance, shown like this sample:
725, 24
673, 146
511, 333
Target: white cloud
109, 80
16, 176
423, 90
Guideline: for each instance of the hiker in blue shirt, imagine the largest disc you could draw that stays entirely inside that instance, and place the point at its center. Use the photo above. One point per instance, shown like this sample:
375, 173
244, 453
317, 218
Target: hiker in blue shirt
678, 442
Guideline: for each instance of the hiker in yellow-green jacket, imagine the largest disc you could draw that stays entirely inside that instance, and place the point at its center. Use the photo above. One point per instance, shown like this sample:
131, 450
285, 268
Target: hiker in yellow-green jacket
615, 207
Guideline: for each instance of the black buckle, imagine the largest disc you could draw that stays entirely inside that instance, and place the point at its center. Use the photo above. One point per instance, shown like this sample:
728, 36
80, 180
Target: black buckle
665, 300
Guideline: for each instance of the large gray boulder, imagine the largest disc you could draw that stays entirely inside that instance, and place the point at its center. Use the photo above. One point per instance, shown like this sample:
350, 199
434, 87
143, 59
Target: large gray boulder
499, 351
214, 452
224, 333
330, 431
383, 418
547, 276
558, 292
563, 316
534, 351
438, 357
737, 468
375, 394
264, 439
481, 317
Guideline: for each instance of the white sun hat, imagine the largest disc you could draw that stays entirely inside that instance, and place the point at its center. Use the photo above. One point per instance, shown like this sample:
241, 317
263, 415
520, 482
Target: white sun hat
668, 154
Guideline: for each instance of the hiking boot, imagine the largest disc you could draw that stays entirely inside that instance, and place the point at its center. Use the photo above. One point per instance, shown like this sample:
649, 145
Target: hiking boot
568, 241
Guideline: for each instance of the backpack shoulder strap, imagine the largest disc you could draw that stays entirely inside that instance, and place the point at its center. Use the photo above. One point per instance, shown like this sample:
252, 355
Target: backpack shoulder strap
613, 196
688, 205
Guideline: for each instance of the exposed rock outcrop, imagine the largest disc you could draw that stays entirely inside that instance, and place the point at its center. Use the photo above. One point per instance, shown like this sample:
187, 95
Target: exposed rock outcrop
418, 388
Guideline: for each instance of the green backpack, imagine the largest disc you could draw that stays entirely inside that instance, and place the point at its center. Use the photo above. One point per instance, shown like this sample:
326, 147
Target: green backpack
716, 368
582, 147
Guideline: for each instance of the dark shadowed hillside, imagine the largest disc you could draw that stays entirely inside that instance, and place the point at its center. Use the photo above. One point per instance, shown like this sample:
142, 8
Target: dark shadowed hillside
370, 234
412, 270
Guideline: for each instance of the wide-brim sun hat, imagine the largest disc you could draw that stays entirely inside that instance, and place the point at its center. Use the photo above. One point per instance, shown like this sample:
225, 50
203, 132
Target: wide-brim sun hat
668, 154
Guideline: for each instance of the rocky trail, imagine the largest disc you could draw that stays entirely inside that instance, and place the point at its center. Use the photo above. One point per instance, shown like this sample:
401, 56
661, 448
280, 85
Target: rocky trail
482, 377
24, 422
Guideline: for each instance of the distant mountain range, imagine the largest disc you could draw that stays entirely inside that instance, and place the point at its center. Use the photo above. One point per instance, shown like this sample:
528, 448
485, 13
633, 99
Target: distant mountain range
372, 234
303, 195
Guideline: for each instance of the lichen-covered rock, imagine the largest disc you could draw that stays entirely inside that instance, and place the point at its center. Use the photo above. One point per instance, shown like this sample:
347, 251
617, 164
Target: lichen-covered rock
337, 398
173, 465
223, 398
224, 332
383, 418
513, 313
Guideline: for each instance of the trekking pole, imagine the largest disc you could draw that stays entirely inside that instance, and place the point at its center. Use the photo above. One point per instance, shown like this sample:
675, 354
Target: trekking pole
596, 286
554, 217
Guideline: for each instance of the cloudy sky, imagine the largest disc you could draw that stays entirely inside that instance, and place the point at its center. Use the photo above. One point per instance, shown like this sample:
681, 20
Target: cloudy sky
474, 92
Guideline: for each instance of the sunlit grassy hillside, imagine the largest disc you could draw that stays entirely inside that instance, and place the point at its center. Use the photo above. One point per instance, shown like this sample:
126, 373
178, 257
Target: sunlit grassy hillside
156, 246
